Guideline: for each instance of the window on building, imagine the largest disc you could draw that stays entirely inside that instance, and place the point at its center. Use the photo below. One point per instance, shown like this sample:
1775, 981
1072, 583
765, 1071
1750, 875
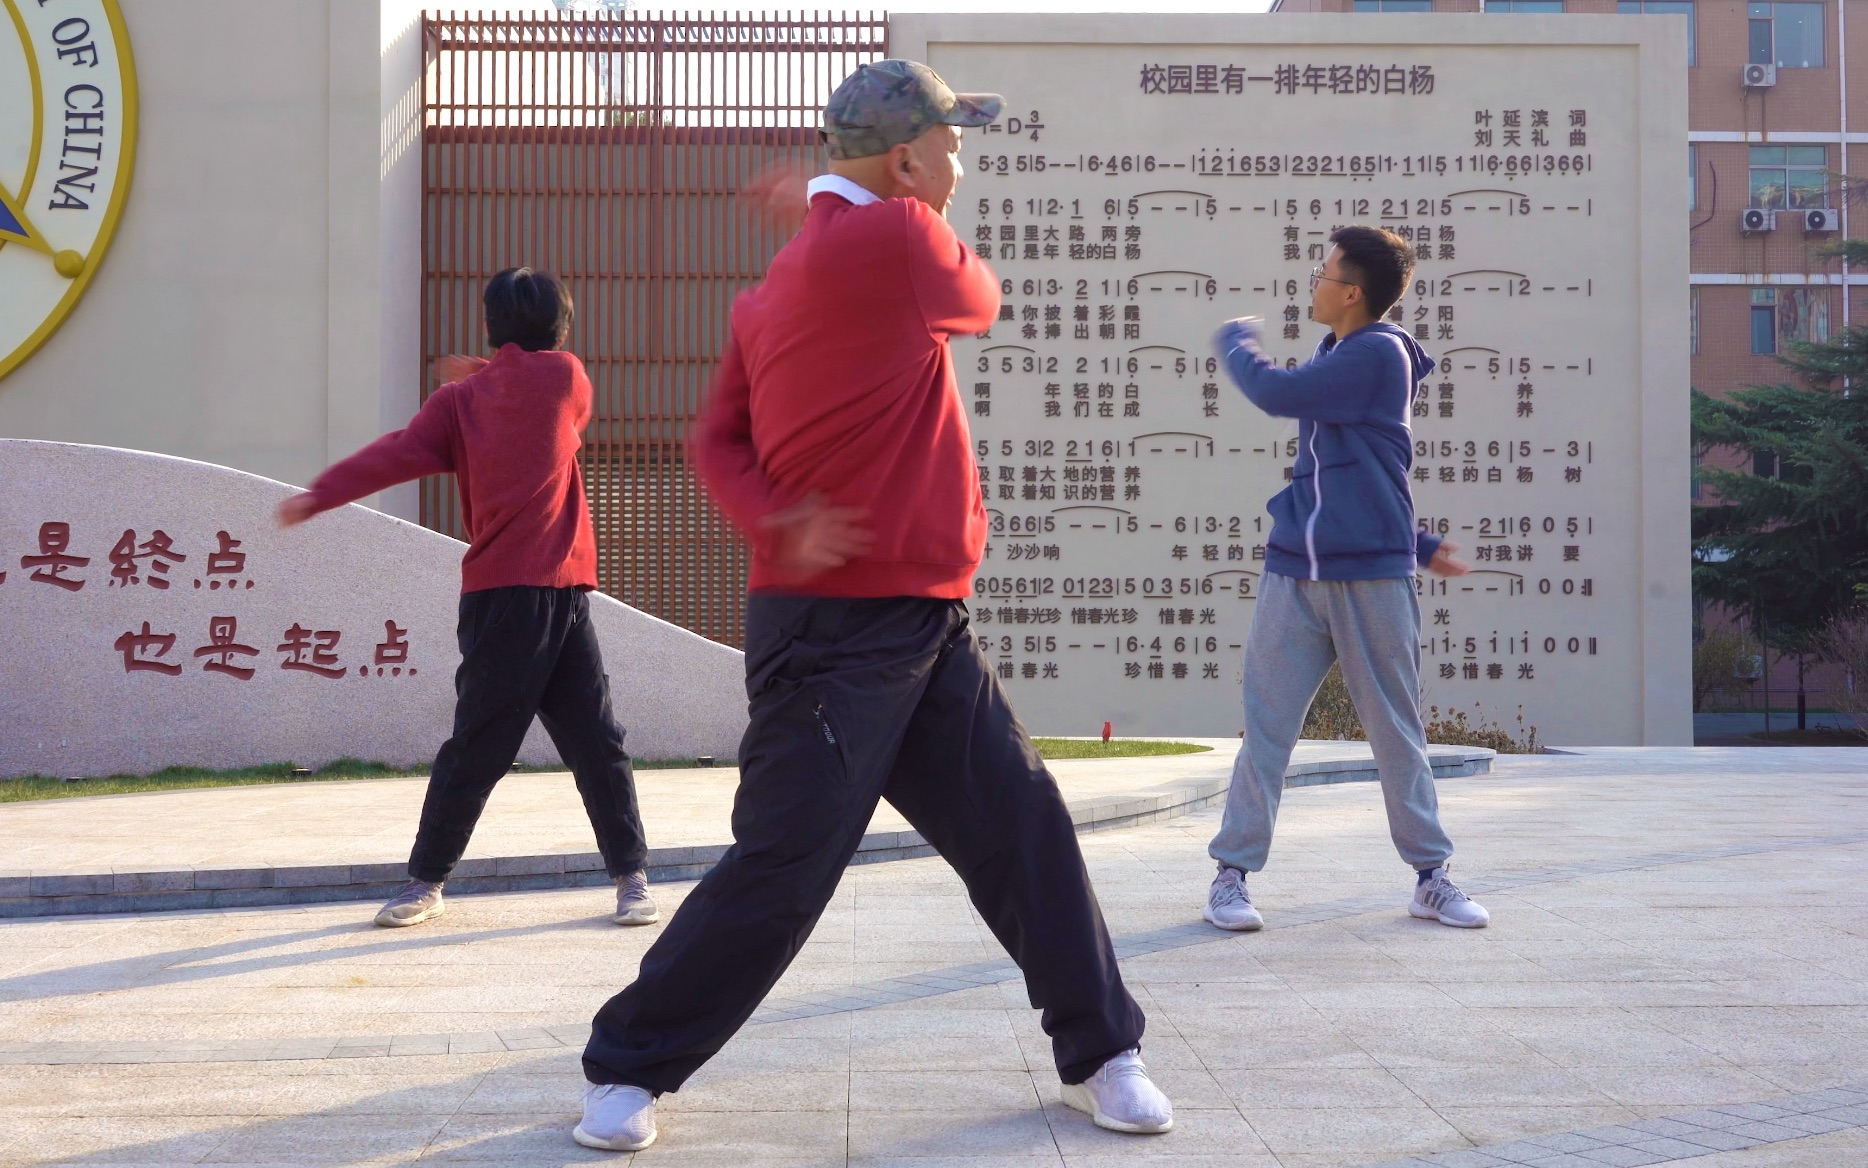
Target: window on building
1692, 178
1667, 8
1695, 475
1789, 176
1394, 5
1803, 314
1524, 5
1764, 320
1694, 297
1789, 36
1764, 464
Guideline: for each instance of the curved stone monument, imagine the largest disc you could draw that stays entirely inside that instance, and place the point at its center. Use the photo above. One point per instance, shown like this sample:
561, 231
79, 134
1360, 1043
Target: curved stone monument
153, 613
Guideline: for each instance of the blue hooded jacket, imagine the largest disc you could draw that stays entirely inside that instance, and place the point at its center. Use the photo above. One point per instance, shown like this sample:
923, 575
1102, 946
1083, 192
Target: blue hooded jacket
1348, 513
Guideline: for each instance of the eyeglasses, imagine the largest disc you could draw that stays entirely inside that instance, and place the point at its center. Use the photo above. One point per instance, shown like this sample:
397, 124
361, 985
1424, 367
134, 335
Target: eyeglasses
1316, 274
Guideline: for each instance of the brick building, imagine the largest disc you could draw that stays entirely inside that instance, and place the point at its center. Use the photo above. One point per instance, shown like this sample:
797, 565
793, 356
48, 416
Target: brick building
1770, 106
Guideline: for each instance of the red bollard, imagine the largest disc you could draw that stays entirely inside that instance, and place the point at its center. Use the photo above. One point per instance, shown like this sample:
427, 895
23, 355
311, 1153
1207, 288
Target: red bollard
1108, 728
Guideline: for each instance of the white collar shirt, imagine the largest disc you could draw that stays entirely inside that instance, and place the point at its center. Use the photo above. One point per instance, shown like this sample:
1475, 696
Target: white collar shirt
836, 184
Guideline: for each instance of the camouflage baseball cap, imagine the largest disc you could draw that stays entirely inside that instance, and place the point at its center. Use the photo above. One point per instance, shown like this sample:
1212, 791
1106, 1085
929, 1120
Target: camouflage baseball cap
886, 103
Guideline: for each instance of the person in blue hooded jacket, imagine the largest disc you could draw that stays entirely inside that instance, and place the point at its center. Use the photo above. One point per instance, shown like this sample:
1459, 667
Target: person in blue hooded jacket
1339, 573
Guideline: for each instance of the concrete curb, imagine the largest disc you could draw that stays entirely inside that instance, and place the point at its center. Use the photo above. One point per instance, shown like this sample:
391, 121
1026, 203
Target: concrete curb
44, 893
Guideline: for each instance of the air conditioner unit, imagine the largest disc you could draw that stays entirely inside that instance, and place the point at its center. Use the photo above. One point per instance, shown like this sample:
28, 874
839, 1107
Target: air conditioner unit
1760, 76
1821, 219
1755, 219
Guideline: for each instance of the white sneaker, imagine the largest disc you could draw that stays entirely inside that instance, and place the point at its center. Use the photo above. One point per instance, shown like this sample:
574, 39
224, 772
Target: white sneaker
1229, 905
1121, 1097
616, 1118
1439, 899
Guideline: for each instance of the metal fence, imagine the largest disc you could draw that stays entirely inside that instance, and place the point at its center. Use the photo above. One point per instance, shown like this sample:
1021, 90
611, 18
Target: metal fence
609, 149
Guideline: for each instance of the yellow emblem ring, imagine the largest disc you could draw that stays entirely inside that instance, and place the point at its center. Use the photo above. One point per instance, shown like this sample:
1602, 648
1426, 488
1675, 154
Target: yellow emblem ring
77, 267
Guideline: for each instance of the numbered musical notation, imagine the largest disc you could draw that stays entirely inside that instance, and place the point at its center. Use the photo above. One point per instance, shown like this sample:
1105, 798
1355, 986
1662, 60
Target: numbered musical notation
1126, 477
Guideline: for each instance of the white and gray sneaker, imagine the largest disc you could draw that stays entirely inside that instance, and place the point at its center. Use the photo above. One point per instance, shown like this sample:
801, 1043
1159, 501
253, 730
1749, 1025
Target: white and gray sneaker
1229, 905
1437, 898
616, 1118
1121, 1097
417, 902
633, 905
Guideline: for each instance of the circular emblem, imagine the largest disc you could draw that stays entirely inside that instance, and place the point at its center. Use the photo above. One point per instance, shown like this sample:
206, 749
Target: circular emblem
67, 142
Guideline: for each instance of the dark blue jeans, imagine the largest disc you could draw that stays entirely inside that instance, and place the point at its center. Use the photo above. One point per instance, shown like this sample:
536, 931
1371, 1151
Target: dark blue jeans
853, 701
528, 652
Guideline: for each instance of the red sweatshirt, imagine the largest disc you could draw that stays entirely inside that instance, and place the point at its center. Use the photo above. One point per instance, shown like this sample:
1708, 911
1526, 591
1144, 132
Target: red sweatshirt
510, 433
837, 380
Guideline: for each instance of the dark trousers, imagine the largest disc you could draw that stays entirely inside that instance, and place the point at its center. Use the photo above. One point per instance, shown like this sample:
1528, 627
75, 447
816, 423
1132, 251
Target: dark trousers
854, 701
528, 652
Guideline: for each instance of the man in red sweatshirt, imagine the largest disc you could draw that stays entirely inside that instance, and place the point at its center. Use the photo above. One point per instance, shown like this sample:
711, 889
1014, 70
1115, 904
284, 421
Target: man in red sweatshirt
836, 439
510, 429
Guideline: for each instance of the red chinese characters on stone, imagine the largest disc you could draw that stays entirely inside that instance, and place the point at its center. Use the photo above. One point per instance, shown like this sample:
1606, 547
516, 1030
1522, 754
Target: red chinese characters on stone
391, 655
311, 651
159, 550
394, 648
221, 649
225, 561
140, 651
53, 561
391, 652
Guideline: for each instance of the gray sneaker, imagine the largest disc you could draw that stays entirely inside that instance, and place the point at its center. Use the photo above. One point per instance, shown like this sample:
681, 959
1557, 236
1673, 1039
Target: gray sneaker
417, 902
1229, 905
633, 904
1439, 899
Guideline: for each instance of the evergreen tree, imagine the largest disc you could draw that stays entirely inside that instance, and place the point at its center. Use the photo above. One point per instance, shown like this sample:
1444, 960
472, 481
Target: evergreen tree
1787, 549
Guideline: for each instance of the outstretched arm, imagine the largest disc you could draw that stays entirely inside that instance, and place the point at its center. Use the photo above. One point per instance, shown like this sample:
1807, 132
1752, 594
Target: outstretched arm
421, 448
1341, 389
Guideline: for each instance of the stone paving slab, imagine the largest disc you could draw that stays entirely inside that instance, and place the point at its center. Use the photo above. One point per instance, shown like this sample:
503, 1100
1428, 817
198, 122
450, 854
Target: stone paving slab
229, 847
1677, 971
918, 986
1670, 1139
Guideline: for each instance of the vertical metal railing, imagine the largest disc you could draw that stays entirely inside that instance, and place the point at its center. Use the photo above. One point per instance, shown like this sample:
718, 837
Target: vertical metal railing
609, 149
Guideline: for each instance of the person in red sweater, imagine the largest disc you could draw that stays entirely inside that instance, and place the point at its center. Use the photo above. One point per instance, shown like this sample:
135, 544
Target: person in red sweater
509, 429
836, 439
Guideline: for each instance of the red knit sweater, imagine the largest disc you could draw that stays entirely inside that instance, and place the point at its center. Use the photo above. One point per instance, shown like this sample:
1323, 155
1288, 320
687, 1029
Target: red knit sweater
510, 433
838, 381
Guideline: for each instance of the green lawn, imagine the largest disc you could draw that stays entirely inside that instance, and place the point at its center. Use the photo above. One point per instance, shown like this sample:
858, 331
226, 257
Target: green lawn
1114, 748
189, 778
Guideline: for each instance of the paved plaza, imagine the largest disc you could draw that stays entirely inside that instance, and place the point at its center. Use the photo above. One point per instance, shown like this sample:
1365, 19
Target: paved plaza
1677, 970
236, 847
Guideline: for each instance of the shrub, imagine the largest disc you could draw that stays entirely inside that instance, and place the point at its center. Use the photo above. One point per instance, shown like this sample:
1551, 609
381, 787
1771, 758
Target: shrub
1848, 647
1453, 728
1332, 717
1722, 662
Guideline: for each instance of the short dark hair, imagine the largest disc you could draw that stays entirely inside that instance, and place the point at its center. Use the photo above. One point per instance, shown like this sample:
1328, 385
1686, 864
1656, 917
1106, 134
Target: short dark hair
527, 308
1381, 262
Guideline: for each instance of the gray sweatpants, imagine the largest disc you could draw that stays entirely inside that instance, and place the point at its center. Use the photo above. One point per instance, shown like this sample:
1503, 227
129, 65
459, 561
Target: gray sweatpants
1373, 628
